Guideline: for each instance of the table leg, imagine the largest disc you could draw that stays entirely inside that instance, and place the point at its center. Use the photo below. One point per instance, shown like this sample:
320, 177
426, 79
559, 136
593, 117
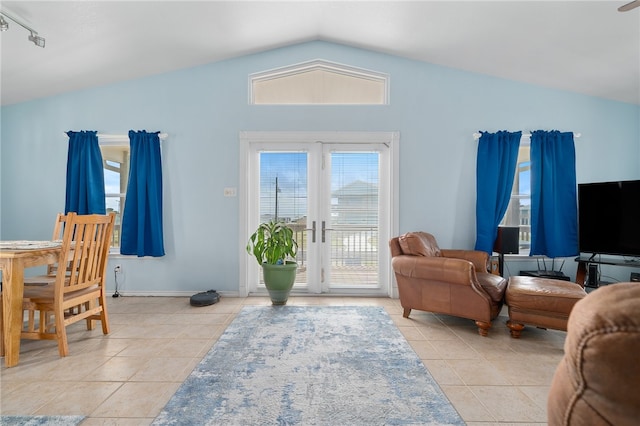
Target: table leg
12, 293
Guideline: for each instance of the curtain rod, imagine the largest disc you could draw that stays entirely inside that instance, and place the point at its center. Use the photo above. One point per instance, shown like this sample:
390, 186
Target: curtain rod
476, 136
107, 136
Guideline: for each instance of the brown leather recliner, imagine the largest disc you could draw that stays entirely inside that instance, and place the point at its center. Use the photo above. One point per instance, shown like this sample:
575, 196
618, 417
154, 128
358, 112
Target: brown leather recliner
597, 380
452, 282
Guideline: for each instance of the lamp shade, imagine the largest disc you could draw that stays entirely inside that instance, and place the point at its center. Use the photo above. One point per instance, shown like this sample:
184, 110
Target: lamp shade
508, 240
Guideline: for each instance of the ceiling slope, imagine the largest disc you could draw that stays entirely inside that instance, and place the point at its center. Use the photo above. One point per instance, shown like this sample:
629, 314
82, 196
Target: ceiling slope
585, 47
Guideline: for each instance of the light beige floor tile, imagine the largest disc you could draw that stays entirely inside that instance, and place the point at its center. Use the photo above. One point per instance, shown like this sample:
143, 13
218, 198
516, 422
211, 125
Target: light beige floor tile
442, 372
399, 320
469, 330
71, 368
78, 398
474, 372
137, 399
116, 318
29, 369
538, 394
311, 301
186, 348
142, 331
436, 331
493, 346
228, 301
509, 404
256, 301
109, 346
187, 318
145, 348
165, 370
411, 333
220, 308
527, 371
468, 406
6, 387
199, 331
29, 397
455, 349
118, 369
424, 349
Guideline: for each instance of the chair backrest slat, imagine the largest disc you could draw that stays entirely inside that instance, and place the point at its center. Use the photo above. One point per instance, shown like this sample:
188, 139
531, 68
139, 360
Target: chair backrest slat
86, 245
58, 234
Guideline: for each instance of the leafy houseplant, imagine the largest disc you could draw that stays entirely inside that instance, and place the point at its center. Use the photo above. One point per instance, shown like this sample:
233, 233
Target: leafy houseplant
274, 248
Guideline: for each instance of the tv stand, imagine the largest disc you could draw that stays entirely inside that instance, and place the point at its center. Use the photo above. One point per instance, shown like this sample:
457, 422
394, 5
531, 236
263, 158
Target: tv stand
583, 265
542, 273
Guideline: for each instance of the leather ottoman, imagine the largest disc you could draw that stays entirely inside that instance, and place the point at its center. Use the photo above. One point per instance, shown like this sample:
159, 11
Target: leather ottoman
541, 302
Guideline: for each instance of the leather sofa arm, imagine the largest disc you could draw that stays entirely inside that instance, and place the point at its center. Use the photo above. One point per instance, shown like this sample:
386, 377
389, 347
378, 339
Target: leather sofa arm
443, 269
480, 259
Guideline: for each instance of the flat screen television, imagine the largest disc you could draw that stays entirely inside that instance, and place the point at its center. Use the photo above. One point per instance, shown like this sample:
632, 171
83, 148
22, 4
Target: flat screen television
609, 218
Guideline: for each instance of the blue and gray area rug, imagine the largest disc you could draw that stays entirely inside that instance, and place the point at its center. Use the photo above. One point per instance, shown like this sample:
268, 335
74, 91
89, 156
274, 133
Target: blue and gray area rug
310, 365
40, 420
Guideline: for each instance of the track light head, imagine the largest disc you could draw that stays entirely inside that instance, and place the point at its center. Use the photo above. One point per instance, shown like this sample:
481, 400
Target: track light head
36, 39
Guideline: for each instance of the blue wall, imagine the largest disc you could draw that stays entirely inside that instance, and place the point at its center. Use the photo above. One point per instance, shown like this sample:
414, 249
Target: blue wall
435, 109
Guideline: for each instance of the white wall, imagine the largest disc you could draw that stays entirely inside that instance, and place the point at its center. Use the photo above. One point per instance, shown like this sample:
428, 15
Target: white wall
203, 109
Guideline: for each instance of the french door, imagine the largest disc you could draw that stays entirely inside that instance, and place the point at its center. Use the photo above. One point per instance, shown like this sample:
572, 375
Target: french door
335, 192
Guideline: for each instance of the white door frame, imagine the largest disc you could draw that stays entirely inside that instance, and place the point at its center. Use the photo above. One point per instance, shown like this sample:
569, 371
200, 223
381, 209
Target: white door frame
247, 198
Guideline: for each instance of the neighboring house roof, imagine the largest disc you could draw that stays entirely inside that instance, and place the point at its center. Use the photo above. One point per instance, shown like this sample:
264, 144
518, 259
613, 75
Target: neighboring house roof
356, 189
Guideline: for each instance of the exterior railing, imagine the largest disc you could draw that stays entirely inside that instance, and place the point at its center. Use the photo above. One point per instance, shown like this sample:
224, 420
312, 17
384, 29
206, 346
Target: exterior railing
350, 246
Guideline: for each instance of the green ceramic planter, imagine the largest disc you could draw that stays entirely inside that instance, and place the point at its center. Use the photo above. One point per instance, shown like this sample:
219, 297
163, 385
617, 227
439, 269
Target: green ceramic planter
279, 280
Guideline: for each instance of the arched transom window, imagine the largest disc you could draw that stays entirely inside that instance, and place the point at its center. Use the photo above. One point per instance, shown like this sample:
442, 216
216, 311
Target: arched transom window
319, 82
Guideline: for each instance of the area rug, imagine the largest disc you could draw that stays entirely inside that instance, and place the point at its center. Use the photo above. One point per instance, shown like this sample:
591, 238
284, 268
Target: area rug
310, 365
40, 420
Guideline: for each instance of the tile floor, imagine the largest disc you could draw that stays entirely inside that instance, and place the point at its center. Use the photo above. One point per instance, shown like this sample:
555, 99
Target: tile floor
126, 378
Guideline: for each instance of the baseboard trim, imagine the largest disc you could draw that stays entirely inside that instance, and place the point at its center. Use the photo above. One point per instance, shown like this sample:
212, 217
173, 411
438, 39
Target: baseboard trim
172, 293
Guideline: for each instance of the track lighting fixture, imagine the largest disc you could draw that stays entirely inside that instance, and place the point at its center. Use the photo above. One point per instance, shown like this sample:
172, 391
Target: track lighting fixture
36, 39
33, 36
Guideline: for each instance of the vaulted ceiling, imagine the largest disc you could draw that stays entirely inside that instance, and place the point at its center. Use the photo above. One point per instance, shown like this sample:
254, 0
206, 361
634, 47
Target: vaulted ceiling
580, 46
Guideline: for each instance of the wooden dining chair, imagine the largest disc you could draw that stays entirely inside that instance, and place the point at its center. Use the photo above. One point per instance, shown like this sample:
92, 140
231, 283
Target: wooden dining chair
50, 277
78, 292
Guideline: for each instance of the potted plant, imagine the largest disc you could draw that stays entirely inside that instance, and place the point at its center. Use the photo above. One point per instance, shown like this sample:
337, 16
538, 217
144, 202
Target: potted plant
274, 248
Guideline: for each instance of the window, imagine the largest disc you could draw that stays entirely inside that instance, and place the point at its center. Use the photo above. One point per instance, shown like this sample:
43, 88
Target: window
115, 160
319, 82
519, 210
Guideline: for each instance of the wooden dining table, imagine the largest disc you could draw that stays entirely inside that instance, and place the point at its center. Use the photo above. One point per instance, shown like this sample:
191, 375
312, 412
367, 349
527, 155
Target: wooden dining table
15, 256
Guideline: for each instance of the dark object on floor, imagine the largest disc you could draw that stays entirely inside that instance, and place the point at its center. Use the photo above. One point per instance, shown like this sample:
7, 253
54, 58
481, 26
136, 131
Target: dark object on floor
205, 298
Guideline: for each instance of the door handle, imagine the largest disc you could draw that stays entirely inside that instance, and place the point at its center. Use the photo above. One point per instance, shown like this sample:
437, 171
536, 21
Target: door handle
313, 231
324, 229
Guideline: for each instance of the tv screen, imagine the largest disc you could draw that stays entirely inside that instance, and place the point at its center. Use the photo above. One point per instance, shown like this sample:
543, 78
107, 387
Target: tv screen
609, 218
